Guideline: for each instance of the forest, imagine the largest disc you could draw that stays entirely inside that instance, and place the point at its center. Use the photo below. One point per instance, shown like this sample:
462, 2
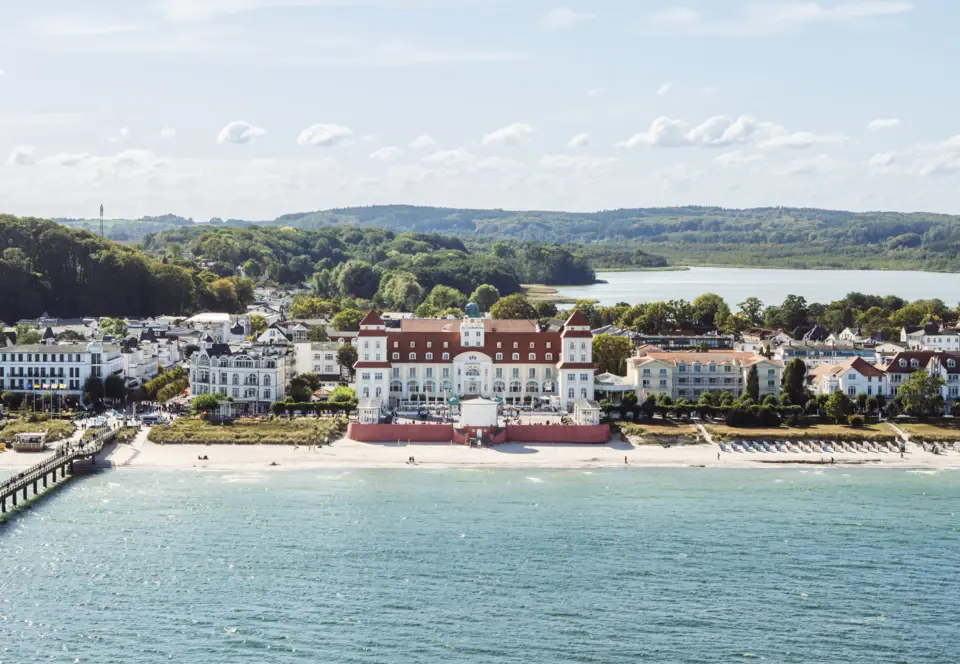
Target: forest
47, 267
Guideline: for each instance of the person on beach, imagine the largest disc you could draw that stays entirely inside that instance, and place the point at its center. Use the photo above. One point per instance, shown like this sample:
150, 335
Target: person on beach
625, 460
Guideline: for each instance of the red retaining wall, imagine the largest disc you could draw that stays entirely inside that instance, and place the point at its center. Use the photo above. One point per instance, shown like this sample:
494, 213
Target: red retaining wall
387, 433
444, 433
544, 433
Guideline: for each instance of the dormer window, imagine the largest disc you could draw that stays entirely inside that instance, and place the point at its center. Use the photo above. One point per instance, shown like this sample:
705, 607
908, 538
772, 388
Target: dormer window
951, 363
413, 344
516, 356
429, 344
903, 363
499, 344
413, 356
532, 345
516, 345
446, 344
548, 344
914, 363
532, 357
429, 356
549, 356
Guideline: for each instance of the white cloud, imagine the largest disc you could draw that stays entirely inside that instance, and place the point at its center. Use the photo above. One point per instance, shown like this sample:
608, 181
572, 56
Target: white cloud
124, 132
22, 155
75, 26
579, 141
593, 93
883, 123
514, 134
774, 16
324, 135
67, 159
736, 158
799, 141
168, 133
683, 16
882, 161
457, 157
239, 131
664, 89
718, 131
563, 18
424, 141
389, 153
822, 163
2, 72
563, 161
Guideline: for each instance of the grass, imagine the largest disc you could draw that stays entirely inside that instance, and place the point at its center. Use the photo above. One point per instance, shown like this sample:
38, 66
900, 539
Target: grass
659, 431
299, 431
948, 432
809, 432
55, 429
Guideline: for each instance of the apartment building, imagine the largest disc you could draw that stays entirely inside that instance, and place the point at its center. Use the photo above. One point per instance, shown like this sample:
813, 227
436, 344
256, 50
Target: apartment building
688, 375
61, 367
253, 376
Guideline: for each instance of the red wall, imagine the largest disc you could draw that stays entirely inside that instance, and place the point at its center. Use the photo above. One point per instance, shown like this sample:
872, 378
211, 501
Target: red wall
387, 433
544, 433
444, 433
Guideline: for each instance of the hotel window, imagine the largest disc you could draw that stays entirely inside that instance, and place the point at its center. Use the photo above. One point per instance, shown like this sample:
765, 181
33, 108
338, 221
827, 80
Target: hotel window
951, 363
413, 372
477, 334
663, 372
771, 372
499, 373
532, 357
413, 356
681, 368
663, 383
516, 345
903, 363
499, 356
366, 357
571, 376
583, 357
429, 372
446, 356
549, 356
531, 373
396, 356
646, 372
516, 356
378, 376
584, 377
548, 373
396, 372
446, 372
532, 345
413, 344
396, 344
429, 356
499, 344
548, 344
446, 344
366, 344
429, 344
713, 368
515, 373
364, 376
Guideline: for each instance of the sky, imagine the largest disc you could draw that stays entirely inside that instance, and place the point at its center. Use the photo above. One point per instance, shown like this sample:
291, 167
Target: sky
256, 108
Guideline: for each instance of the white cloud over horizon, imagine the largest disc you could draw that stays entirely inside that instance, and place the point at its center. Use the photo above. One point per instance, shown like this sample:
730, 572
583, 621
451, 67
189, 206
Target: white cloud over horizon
883, 123
324, 135
240, 132
564, 19
513, 134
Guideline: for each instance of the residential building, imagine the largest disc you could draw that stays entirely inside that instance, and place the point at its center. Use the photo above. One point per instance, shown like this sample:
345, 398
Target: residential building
935, 363
687, 340
814, 354
142, 358
688, 375
852, 377
253, 376
47, 367
431, 359
931, 337
320, 358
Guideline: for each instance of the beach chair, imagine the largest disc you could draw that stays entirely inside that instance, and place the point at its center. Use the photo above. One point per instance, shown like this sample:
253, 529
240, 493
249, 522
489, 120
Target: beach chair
779, 446
750, 447
723, 447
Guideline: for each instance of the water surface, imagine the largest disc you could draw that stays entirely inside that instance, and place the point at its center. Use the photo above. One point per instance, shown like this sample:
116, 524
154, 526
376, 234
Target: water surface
771, 286
610, 566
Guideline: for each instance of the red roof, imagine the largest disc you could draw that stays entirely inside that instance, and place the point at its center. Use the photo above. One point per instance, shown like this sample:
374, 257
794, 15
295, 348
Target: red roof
372, 318
372, 365
577, 319
575, 365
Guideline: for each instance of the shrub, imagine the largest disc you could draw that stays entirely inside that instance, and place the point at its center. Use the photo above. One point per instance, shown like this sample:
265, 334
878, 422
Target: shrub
855, 421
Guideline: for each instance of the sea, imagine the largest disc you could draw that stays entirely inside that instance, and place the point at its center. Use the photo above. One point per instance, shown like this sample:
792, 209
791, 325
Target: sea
851, 566
771, 286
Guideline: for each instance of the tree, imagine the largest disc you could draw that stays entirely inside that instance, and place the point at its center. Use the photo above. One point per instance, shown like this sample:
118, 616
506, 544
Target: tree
258, 325
921, 395
317, 333
513, 307
306, 306
839, 407
347, 356
356, 278
114, 387
545, 309
400, 291
610, 353
343, 394
115, 327
444, 297
649, 406
795, 381
347, 320
27, 335
70, 336
485, 296
299, 393
862, 401
710, 310
426, 310
205, 403
93, 389
753, 384
752, 309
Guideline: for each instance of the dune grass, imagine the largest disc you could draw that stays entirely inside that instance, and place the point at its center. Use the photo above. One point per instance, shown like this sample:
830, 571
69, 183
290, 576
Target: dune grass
941, 431
55, 429
274, 431
816, 431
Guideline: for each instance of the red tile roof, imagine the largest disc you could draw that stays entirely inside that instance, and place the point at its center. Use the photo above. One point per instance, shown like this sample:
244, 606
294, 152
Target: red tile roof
372, 318
577, 319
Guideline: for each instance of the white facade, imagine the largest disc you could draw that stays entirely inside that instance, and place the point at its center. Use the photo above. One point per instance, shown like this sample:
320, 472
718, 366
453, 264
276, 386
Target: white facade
318, 357
47, 367
688, 375
253, 377
852, 378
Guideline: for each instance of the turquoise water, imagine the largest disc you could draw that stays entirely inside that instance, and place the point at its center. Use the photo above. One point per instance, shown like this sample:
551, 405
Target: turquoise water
771, 286
611, 566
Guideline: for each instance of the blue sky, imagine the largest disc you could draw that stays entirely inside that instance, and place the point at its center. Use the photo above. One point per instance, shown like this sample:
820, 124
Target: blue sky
255, 108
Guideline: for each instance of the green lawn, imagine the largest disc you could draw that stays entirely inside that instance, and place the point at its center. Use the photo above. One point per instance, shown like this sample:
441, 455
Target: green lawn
300, 431
55, 429
941, 431
810, 432
660, 431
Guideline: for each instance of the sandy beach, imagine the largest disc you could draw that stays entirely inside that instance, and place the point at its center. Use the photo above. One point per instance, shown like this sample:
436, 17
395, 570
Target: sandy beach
351, 454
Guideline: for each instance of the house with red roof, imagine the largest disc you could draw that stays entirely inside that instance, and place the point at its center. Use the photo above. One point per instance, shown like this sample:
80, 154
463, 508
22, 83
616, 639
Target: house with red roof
517, 361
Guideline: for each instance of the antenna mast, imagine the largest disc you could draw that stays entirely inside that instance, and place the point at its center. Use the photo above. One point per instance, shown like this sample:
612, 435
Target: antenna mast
101, 220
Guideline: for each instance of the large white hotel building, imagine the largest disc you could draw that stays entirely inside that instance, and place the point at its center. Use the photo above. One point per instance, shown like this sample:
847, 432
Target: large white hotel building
433, 359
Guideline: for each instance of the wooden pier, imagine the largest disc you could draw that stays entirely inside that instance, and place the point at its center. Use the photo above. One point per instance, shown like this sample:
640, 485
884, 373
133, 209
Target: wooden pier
49, 471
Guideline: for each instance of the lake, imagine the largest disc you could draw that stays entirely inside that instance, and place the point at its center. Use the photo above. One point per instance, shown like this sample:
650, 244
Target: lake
616, 566
771, 286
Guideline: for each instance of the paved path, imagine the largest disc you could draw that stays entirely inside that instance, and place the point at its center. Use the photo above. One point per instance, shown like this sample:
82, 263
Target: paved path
703, 432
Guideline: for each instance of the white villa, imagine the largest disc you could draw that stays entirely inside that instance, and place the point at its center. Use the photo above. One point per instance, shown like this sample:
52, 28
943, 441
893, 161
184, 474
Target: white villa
688, 375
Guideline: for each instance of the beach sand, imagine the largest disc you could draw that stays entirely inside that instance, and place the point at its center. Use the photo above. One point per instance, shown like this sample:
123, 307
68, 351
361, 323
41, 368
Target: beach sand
351, 454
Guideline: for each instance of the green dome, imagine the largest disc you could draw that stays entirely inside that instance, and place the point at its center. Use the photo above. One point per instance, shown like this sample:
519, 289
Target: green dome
473, 311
